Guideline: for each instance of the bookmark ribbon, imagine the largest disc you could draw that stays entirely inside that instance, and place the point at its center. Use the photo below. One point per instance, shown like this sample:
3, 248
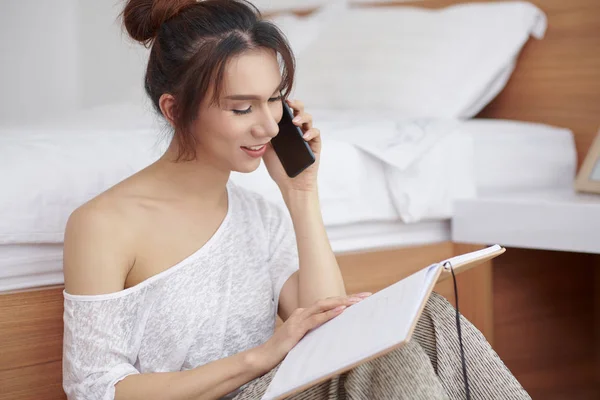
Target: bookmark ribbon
448, 265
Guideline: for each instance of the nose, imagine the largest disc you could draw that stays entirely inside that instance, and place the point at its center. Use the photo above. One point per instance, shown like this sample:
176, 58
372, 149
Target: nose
268, 125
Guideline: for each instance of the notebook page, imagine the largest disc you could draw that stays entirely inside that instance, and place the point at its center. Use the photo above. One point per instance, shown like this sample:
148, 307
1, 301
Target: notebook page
465, 258
377, 323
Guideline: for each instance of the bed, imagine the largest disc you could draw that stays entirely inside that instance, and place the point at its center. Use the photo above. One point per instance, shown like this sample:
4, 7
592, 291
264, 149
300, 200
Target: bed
360, 211
550, 85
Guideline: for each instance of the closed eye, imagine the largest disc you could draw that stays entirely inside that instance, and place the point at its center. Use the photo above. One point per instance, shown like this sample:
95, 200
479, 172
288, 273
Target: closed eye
249, 109
242, 112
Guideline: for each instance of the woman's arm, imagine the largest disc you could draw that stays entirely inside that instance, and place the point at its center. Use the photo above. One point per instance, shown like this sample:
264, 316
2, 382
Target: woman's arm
210, 381
319, 276
218, 378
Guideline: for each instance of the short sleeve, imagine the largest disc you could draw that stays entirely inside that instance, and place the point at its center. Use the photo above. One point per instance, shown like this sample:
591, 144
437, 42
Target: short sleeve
283, 251
100, 344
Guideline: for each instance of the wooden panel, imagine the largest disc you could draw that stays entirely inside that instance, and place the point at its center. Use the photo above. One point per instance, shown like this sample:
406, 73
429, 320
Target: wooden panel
376, 270
37, 382
544, 321
558, 78
31, 328
596, 267
373, 271
475, 293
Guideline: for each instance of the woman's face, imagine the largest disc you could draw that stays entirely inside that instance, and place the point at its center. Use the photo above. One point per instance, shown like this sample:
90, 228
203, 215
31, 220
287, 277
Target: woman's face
233, 134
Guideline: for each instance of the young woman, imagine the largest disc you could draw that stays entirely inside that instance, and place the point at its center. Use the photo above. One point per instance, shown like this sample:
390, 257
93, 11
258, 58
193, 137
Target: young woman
174, 277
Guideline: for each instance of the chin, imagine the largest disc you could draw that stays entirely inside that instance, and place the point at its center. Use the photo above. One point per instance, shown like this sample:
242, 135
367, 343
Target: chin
247, 167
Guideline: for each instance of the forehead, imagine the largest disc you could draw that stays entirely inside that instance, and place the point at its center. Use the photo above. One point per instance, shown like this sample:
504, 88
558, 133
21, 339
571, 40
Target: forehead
254, 72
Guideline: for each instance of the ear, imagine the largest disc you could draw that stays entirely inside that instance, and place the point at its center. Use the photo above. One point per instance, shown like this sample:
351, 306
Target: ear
167, 107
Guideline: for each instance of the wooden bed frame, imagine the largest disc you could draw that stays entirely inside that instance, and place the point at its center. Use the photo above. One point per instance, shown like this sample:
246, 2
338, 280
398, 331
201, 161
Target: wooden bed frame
556, 81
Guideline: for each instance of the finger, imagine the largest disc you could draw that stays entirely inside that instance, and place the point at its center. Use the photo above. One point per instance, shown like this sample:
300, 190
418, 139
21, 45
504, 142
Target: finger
296, 105
329, 304
311, 134
304, 120
325, 305
319, 319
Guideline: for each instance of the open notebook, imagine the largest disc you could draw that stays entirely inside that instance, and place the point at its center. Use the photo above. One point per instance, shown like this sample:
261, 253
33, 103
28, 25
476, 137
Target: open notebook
369, 329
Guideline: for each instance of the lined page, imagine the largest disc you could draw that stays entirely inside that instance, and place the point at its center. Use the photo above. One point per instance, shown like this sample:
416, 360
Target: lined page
375, 324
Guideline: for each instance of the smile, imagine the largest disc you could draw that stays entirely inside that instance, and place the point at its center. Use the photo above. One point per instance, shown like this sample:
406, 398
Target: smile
255, 151
255, 148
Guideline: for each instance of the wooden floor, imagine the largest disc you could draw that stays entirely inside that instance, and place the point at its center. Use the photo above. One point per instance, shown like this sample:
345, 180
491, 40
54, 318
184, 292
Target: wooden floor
544, 329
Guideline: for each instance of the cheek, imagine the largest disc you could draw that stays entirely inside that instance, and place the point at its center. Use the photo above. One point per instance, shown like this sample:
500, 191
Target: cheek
220, 130
236, 129
277, 111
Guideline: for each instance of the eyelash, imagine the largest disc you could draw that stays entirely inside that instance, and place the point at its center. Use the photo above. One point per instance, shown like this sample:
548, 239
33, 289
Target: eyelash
249, 110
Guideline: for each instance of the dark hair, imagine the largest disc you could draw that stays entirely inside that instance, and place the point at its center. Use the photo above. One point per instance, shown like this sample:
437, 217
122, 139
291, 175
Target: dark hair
191, 43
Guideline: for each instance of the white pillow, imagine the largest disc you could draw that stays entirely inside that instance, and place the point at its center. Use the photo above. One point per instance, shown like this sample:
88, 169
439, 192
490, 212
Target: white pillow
301, 32
416, 62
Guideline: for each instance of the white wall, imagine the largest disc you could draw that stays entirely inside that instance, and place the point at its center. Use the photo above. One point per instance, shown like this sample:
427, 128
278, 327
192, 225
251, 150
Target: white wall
112, 64
62, 55
38, 65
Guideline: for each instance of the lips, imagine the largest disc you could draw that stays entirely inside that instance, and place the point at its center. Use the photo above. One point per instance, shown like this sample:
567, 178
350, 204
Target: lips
254, 148
255, 151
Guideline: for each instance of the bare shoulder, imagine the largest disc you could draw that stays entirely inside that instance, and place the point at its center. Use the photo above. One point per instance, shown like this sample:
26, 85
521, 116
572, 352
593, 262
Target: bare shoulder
98, 251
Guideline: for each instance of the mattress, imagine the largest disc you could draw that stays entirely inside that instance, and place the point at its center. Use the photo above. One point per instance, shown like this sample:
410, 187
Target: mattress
372, 236
27, 266
352, 186
474, 156
358, 209
437, 163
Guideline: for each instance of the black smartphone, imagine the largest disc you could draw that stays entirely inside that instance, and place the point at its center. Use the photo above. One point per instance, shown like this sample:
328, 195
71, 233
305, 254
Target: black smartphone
292, 150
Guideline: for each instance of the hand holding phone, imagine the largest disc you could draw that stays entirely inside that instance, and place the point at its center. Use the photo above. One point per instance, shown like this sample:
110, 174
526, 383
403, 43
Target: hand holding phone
292, 150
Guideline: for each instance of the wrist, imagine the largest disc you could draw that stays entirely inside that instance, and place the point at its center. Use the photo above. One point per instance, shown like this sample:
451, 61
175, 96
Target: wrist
300, 198
258, 360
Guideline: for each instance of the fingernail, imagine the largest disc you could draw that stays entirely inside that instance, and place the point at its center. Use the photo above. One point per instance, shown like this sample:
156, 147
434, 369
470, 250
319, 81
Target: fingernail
297, 119
306, 135
364, 294
354, 299
340, 308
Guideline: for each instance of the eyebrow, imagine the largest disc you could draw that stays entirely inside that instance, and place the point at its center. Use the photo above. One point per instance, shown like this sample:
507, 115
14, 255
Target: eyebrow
243, 97
248, 96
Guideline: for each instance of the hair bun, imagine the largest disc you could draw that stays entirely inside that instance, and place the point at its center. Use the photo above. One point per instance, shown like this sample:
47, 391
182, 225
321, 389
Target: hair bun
143, 18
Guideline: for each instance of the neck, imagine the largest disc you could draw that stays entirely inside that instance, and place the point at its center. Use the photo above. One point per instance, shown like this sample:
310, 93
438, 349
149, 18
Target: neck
194, 179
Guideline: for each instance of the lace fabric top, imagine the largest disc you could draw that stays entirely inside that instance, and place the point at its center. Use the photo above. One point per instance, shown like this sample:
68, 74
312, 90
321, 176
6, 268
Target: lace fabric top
217, 302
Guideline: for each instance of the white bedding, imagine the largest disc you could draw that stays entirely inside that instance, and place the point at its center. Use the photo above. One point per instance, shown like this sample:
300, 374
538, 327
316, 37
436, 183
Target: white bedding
35, 265
30, 265
374, 168
380, 168
417, 62
357, 206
